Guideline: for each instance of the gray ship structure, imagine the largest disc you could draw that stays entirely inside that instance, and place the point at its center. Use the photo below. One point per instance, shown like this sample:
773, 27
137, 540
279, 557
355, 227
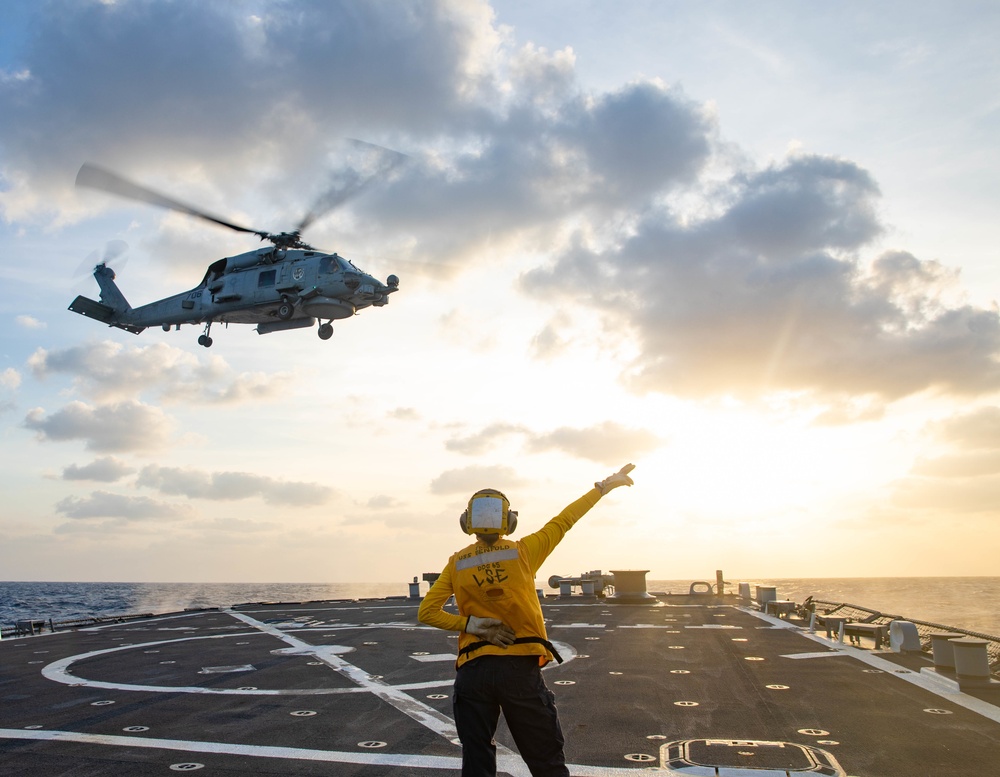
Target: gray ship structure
715, 681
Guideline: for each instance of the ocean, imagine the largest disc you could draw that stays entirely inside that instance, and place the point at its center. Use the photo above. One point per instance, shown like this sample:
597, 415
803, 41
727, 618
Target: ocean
971, 603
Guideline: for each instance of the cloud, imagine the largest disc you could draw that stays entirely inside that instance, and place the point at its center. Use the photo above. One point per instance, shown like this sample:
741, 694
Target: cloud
10, 378
107, 469
383, 502
29, 322
484, 440
607, 443
965, 478
195, 484
102, 504
111, 428
108, 370
468, 480
976, 430
766, 293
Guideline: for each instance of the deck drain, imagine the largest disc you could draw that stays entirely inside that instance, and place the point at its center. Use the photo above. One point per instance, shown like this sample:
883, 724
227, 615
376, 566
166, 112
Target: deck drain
370, 643
303, 713
187, 767
420, 653
827, 742
592, 638
567, 682
777, 687
679, 671
675, 647
685, 704
437, 696
247, 688
147, 652
656, 736
101, 703
582, 655
32, 728
933, 711
372, 744
644, 757
813, 732
314, 663
168, 662
616, 673
872, 671
134, 729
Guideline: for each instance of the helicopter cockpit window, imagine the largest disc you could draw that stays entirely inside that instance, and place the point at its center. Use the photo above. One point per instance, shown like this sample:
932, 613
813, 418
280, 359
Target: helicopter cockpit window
328, 264
266, 278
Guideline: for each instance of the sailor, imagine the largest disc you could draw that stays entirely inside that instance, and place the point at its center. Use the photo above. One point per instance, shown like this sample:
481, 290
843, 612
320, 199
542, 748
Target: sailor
502, 643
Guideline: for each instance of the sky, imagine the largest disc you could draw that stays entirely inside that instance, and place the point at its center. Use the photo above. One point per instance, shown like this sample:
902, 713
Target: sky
750, 248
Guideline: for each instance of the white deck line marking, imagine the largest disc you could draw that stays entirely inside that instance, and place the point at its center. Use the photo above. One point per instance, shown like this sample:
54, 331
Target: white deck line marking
826, 654
508, 763
924, 681
422, 713
58, 671
255, 751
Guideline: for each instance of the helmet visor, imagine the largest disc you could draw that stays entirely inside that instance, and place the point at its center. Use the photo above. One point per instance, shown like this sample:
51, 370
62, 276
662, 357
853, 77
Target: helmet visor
486, 514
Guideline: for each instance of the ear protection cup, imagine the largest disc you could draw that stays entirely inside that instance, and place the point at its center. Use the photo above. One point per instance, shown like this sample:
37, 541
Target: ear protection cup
463, 521
511, 521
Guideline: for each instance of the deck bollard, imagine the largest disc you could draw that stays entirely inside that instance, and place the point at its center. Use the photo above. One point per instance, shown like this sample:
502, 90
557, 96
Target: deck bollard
630, 587
943, 651
972, 662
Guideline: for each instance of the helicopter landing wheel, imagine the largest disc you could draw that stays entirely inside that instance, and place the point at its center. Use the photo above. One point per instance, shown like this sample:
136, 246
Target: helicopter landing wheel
325, 331
285, 310
205, 340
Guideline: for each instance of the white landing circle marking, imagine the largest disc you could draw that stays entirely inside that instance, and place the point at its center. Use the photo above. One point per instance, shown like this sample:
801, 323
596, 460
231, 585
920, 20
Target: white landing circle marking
567, 682
641, 757
685, 704
187, 767
679, 671
933, 711
813, 732
753, 658
303, 713
827, 742
777, 687
656, 736
437, 696
135, 729
372, 744
101, 703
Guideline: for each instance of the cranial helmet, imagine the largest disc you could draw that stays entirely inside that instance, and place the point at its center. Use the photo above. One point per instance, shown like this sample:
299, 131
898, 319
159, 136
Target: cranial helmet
489, 513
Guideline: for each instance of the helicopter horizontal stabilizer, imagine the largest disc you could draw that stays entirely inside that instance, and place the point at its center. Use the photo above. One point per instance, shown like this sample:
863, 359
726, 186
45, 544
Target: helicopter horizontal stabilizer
96, 310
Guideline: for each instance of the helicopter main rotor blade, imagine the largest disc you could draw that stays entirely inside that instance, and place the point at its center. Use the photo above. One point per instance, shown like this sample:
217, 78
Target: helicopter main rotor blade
376, 163
95, 177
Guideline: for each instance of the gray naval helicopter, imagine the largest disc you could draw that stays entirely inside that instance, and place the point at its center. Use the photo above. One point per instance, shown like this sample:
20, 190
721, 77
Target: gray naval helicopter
288, 285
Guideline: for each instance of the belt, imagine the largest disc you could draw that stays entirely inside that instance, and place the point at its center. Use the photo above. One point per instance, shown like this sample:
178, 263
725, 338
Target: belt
519, 641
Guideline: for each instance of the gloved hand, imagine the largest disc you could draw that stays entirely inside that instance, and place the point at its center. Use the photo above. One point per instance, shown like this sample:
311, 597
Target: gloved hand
494, 631
620, 478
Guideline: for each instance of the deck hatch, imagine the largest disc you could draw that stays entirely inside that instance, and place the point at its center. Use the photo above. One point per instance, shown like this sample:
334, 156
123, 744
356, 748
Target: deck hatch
768, 759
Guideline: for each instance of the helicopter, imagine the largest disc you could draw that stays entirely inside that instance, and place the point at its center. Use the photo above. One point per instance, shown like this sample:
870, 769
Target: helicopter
287, 285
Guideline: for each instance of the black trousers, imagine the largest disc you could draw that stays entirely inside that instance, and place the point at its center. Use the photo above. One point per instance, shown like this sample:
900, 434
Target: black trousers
513, 684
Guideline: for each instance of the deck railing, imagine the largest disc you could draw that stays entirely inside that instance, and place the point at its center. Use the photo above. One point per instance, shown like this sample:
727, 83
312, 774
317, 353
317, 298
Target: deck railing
924, 628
